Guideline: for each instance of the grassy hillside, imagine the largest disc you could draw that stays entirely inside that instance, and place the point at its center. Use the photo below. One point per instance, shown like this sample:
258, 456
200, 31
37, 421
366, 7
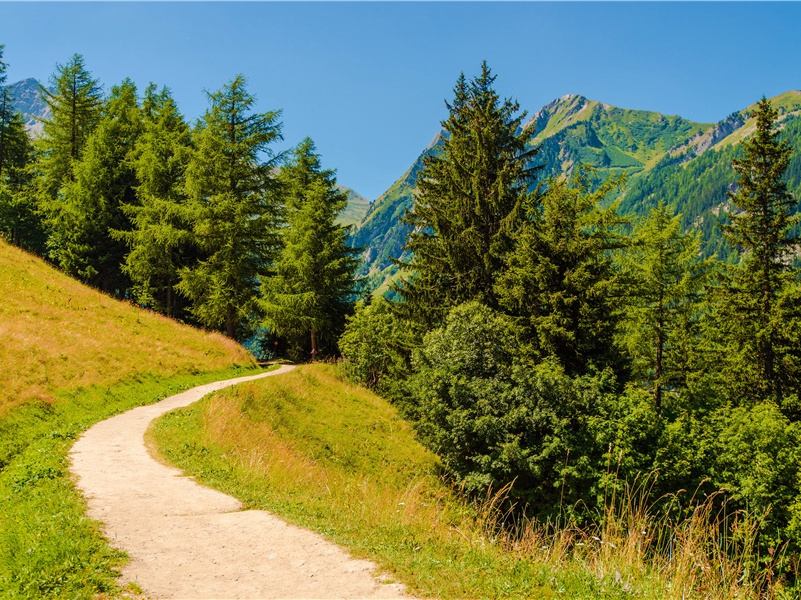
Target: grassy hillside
357, 207
59, 334
71, 357
335, 458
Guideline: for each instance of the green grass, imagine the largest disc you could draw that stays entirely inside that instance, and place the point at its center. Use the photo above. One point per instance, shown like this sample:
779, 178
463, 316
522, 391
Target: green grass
48, 547
335, 458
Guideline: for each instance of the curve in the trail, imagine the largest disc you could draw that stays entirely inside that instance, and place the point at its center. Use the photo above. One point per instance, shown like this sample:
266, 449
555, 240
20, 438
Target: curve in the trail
188, 541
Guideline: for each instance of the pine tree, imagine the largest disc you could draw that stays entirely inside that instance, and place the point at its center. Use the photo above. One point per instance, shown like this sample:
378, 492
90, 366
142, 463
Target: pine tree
235, 209
20, 223
665, 278
90, 207
760, 228
471, 197
160, 239
560, 279
75, 106
310, 295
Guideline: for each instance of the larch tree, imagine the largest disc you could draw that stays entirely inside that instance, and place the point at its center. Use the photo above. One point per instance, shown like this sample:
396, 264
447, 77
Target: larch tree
761, 225
472, 195
90, 206
665, 281
235, 209
160, 238
310, 294
75, 106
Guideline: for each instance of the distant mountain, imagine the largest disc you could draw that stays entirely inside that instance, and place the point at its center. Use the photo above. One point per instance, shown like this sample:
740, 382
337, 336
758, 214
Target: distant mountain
28, 101
684, 163
357, 207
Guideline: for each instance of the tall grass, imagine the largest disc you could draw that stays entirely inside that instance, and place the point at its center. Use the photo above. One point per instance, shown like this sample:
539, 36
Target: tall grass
333, 457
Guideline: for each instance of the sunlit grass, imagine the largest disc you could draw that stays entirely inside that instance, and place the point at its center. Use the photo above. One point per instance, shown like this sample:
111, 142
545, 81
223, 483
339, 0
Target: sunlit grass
335, 458
58, 334
70, 357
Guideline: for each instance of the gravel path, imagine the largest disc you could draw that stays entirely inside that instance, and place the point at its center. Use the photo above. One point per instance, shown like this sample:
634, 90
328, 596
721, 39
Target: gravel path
191, 542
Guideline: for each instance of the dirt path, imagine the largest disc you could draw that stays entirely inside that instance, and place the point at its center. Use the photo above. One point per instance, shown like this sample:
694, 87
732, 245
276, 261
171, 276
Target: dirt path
190, 542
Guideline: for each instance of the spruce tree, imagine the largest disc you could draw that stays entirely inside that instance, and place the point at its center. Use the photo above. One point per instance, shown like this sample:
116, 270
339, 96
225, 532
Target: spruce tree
310, 295
90, 207
160, 239
665, 279
560, 279
760, 229
235, 209
472, 194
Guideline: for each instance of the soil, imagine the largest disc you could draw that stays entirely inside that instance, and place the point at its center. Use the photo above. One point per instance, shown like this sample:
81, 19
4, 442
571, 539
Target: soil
187, 541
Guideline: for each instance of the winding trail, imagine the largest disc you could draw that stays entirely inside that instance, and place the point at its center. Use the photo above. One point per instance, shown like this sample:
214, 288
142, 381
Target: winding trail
191, 542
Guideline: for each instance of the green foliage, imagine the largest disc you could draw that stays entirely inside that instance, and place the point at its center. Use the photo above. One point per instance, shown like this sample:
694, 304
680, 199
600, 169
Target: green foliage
750, 310
90, 206
471, 196
235, 209
160, 239
496, 419
757, 454
309, 296
75, 107
665, 280
377, 347
20, 223
560, 279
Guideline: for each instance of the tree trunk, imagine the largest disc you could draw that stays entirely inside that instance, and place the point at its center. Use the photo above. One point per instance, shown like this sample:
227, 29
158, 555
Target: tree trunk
230, 323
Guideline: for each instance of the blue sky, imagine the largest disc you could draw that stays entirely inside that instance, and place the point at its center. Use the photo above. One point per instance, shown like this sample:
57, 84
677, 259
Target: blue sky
367, 80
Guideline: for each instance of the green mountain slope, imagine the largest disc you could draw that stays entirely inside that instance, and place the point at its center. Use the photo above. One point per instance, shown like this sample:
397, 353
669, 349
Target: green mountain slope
685, 163
357, 207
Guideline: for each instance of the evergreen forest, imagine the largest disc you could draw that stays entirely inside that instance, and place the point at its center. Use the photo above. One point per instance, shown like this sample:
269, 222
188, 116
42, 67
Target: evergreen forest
552, 339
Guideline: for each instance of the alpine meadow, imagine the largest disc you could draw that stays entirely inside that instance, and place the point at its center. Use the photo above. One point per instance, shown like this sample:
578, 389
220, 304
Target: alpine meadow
559, 357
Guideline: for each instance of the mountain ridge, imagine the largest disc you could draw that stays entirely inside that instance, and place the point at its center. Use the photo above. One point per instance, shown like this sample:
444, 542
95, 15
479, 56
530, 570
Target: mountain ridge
573, 130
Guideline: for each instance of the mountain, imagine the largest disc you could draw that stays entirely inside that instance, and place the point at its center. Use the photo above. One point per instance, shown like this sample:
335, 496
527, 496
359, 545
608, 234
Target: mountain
666, 157
357, 207
28, 101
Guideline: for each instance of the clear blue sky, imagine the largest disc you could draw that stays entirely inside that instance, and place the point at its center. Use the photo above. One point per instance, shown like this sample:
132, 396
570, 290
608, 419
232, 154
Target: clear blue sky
367, 80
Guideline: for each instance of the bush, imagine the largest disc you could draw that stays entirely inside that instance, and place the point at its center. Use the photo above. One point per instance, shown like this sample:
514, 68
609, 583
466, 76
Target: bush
495, 419
376, 347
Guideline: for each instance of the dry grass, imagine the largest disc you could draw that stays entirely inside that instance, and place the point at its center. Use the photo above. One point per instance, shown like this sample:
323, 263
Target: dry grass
58, 334
337, 459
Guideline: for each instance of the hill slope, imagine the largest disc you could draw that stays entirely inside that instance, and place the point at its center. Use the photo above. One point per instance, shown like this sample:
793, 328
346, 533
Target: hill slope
357, 207
71, 357
59, 334
645, 145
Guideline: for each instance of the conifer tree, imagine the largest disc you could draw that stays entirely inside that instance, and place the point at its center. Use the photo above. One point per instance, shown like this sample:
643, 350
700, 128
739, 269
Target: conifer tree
20, 223
310, 294
160, 239
235, 209
472, 194
760, 228
665, 278
90, 207
560, 279
75, 107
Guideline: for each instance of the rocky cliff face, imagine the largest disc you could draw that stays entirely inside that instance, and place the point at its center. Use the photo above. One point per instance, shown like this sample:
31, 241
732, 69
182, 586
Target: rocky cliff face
28, 101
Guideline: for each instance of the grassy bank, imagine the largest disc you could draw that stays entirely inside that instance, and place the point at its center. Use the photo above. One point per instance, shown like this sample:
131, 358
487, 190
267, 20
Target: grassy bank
71, 357
48, 547
337, 459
